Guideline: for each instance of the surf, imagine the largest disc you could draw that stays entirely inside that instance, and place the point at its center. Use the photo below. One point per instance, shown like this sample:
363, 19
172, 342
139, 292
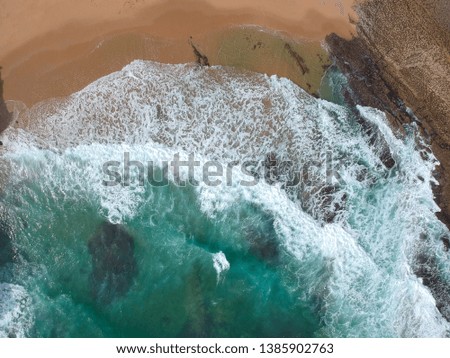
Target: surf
337, 255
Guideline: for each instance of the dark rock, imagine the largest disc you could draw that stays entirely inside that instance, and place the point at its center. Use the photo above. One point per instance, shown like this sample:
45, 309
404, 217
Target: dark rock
113, 263
386, 158
277, 170
388, 67
373, 134
329, 207
446, 243
202, 60
271, 174
5, 116
7, 253
427, 269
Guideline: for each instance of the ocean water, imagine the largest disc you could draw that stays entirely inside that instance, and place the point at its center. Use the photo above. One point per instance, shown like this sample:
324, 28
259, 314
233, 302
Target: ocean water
340, 254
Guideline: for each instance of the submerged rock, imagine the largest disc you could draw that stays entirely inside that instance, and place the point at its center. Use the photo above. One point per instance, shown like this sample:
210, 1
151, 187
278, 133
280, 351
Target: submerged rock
428, 268
323, 202
113, 263
263, 240
198, 305
7, 253
271, 168
373, 134
298, 59
263, 246
446, 242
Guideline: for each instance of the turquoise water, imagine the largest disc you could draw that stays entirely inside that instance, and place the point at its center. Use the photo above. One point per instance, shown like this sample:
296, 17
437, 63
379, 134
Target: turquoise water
176, 290
333, 259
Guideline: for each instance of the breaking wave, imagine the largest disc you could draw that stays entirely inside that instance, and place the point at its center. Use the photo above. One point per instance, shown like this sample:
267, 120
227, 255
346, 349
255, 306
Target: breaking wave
342, 251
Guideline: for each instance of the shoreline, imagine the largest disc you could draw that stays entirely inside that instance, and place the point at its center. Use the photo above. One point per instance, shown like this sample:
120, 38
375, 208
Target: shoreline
87, 19
65, 54
245, 47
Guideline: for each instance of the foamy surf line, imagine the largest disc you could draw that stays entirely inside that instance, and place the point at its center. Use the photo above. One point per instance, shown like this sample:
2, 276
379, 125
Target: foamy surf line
351, 245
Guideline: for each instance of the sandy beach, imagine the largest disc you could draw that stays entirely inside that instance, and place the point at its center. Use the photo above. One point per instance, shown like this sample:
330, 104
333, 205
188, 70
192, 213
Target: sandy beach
52, 48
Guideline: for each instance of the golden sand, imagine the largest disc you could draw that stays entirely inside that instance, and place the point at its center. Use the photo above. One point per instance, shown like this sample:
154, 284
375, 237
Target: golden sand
52, 48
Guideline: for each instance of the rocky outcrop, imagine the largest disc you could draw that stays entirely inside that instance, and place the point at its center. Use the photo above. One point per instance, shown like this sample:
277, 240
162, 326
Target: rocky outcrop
113, 263
201, 59
5, 116
399, 63
428, 269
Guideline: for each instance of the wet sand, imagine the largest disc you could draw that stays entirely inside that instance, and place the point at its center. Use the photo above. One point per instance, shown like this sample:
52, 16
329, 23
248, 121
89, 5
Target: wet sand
52, 48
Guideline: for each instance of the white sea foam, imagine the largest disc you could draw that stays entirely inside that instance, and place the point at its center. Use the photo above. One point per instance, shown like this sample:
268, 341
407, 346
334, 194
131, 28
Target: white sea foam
221, 265
15, 315
358, 268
